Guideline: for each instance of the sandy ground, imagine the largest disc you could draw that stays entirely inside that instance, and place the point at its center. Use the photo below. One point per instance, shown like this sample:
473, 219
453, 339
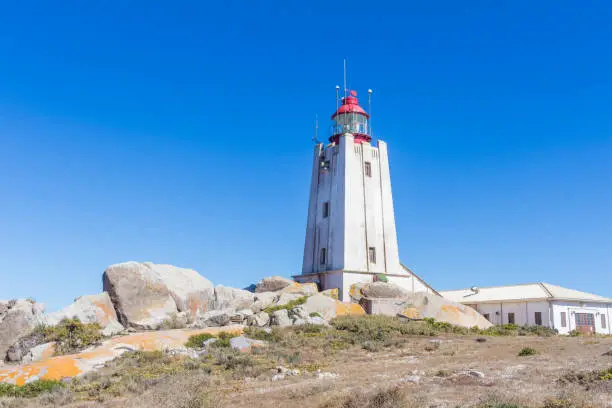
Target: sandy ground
531, 378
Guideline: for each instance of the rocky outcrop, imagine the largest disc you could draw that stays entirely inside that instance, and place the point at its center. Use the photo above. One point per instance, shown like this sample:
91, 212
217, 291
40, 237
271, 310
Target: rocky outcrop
90, 309
17, 320
146, 294
231, 298
273, 284
377, 290
68, 366
214, 318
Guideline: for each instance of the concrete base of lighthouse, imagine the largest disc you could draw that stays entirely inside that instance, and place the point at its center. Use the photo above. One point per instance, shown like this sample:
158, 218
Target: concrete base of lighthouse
343, 280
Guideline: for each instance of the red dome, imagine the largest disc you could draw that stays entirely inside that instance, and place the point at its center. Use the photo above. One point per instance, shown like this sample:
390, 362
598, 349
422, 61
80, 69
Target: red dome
350, 104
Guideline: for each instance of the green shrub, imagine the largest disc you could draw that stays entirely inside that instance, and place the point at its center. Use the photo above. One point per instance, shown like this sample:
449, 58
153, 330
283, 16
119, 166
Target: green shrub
316, 314
527, 351
70, 335
294, 303
223, 340
575, 333
172, 323
197, 340
29, 390
274, 336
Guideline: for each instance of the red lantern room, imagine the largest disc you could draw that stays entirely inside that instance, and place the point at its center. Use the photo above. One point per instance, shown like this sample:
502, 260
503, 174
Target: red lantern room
350, 118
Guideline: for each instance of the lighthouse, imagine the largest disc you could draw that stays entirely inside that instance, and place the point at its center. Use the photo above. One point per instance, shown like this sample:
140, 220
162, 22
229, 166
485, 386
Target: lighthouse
350, 233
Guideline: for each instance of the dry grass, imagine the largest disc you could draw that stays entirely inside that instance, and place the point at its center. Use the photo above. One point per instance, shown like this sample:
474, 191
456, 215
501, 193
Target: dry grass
372, 359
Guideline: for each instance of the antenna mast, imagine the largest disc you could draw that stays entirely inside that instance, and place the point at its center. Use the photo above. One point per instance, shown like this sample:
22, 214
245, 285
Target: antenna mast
370, 110
345, 77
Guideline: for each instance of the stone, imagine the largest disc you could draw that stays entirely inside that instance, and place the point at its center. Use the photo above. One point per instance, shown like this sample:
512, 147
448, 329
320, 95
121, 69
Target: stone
608, 353
231, 298
304, 289
39, 353
214, 318
285, 298
419, 305
332, 293
321, 304
415, 379
18, 320
260, 319
112, 329
281, 318
474, 373
90, 309
322, 375
241, 315
377, 290
278, 377
299, 312
244, 344
273, 284
263, 300
299, 321
145, 295
207, 343
317, 320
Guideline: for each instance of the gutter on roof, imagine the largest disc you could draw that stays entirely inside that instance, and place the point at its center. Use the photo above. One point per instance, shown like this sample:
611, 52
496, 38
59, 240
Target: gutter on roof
470, 301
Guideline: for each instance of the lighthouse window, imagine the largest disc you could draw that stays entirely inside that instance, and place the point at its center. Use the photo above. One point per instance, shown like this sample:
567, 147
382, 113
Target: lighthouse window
372, 254
368, 169
326, 209
322, 259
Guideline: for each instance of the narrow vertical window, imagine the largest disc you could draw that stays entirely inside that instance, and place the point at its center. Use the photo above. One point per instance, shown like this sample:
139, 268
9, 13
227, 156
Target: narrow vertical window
322, 258
368, 169
563, 319
326, 209
511, 318
372, 254
603, 321
538, 318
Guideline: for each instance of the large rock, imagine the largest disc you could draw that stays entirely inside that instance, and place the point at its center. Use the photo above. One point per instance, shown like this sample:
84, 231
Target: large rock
420, 305
281, 318
321, 305
260, 319
214, 318
231, 298
285, 298
378, 290
39, 353
146, 294
273, 284
90, 309
263, 300
18, 319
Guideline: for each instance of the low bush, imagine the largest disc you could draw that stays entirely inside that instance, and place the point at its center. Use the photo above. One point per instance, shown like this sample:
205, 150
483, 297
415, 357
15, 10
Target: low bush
527, 351
173, 322
274, 336
70, 335
587, 378
197, 340
29, 390
288, 306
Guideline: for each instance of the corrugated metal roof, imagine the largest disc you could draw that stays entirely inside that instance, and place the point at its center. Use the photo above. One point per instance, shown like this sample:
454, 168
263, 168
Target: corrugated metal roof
529, 291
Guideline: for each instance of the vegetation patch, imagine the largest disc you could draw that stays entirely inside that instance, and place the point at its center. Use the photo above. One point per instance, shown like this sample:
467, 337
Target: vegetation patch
587, 378
70, 335
197, 340
527, 351
29, 390
288, 306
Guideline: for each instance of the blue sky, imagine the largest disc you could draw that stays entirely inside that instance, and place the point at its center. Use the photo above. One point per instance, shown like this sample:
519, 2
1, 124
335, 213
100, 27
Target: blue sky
180, 132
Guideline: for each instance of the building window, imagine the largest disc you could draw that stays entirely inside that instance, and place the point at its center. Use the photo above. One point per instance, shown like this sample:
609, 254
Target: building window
538, 318
510, 318
326, 209
486, 316
372, 254
368, 169
322, 259
563, 319
603, 321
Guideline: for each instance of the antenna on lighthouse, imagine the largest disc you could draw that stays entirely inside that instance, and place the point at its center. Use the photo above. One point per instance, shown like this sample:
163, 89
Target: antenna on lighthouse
315, 138
370, 110
345, 77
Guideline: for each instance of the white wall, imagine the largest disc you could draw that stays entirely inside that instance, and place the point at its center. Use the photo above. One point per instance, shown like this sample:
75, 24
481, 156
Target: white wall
360, 213
570, 308
524, 312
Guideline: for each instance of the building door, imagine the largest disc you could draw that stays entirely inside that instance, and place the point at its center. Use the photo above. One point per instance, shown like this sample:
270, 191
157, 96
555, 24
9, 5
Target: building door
585, 323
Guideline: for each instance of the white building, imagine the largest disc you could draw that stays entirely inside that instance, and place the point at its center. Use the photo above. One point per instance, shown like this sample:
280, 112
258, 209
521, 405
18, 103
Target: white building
539, 304
350, 234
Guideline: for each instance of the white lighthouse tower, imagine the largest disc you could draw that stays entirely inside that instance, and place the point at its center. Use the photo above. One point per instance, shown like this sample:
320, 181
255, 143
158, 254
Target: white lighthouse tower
350, 235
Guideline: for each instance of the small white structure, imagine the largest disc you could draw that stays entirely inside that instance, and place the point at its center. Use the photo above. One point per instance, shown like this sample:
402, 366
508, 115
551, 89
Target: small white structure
350, 234
539, 304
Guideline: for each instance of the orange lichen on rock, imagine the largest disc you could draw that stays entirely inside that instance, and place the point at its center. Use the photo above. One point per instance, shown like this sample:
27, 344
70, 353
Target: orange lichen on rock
107, 314
56, 368
411, 313
349, 309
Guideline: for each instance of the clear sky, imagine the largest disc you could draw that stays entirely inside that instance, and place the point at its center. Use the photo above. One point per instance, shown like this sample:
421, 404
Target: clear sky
180, 132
